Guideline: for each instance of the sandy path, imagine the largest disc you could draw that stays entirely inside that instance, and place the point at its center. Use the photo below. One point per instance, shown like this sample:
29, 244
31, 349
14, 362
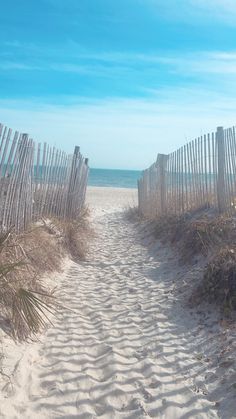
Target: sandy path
122, 350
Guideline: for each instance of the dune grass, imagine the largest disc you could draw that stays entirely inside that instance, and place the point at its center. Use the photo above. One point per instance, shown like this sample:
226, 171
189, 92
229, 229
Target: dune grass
26, 305
203, 236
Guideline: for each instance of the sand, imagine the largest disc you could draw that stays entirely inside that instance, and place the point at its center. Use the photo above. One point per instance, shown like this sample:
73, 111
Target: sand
125, 346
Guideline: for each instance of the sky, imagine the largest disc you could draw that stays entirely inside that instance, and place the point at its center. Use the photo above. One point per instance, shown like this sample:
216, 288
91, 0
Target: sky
123, 79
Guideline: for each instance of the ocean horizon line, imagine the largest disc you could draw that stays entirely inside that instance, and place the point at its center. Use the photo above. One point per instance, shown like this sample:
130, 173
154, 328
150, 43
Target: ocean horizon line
121, 170
116, 178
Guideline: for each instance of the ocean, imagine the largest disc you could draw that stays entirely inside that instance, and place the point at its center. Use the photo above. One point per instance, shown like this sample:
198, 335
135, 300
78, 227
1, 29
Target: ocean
114, 178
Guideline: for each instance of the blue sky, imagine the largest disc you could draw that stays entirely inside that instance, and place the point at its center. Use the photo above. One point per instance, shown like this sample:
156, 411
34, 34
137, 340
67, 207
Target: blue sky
123, 79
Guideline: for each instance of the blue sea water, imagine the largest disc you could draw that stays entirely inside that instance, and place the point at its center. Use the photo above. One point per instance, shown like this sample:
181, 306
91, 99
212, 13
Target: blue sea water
114, 178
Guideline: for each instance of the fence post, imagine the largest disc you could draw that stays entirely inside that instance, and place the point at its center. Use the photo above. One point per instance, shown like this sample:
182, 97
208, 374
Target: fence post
220, 150
139, 195
161, 175
71, 183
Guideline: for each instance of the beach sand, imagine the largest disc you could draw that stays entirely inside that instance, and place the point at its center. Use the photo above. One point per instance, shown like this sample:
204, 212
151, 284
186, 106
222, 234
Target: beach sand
124, 346
102, 200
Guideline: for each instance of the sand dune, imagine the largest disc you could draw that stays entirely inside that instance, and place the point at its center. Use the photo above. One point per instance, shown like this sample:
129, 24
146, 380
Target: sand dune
121, 349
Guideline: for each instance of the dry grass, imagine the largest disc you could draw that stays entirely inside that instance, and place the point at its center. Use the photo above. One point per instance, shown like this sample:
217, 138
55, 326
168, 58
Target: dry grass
132, 214
24, 258
203, 235
77, 235
195, 234
23, 299
219, 281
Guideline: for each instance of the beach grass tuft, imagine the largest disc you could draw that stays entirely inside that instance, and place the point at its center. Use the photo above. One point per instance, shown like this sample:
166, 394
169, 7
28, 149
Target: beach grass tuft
132, 213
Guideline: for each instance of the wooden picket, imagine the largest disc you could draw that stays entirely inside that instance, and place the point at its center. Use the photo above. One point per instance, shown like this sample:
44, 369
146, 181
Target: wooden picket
202, 174
38, 181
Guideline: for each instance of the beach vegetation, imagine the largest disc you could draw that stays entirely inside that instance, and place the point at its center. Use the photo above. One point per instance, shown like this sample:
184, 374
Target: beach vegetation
203, 237
27, 304
131, 213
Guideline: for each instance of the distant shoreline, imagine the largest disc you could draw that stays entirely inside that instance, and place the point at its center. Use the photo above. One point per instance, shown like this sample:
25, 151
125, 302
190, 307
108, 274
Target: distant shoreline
110, 186
94, 187
114, 178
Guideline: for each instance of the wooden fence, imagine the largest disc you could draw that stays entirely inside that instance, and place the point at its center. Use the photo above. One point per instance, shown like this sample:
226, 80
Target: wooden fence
38, 181
200, 174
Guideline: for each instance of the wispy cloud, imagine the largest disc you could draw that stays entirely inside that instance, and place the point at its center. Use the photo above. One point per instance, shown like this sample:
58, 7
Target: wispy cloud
118, 63
14, 65
152, 76
213, 62
196, 11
